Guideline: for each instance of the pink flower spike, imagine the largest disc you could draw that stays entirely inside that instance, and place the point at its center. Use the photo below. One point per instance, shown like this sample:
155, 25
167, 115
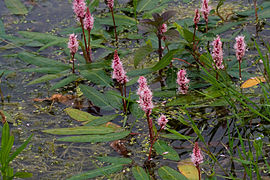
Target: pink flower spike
217, 53
205, 9
162, 121
118, 71
79, 7
196, 156
145, 96
88, 21
163, 28
240, 47
182, 81
196, 18
73, 43
110, 3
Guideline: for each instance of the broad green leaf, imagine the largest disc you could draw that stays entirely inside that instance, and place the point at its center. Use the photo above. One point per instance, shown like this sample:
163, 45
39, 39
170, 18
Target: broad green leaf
145, 5
136, 111
102, 120
165, 60
98, 77
139, 72
225, 27
187, 168
71, 78
96, 138
120, 20
171, 75
95, 96
40, 61
142, 52
46, 70
2, 29
80, 130
80, 115
107, 170
175, 136
167, 173
41, 37
139, 173
165, 150
23, 174
20, 149
114, 99
114, 160
53, 43
16, 7
165, 93
45, 78
5, 150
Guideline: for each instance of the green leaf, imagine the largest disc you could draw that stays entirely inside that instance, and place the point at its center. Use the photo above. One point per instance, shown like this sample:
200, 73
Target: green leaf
2, 29
139, 72
136, 111
165, 93
9, 118
96, 138
45, 78
114, 160
139, 173
175, 136
120, 20
80, 130
80, 115
40, 61
168, 152
46, 70
102, 120
226, 27
142, 52
64, 82
16, 7
41, 37
165, 60
95, 96
107, 170
23, 174
20, 149
167, 173
145, 5
53, 43
171, 75
98, 77
114, 99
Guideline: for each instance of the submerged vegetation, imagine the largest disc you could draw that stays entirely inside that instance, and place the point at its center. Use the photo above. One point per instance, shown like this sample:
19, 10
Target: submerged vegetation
192, 104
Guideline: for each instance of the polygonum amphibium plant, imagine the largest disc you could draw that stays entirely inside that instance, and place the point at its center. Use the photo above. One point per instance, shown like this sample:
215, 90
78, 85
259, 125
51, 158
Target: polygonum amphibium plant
119, 74
182, 81
205, 9
73, 48
197, 157
110, 4
88, 25
240, 49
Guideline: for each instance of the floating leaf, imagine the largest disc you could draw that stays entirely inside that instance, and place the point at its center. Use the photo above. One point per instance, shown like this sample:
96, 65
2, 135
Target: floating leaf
253, 82
95, 96
142, 52
139, 72
80, 130
167, 173
45, 78
23, 174
144, 5
121, 20
98, 77
64, 82
168, 152
114, 160
16, 7
165, 60
107, 170
46, 70
80, 115
41, 37
187, 168
102, 120
139, 173
96, 138
175, 136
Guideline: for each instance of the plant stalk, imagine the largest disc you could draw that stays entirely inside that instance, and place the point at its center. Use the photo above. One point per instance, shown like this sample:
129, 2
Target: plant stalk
89, 47
84, 38
115, 33
72, 59
162, 84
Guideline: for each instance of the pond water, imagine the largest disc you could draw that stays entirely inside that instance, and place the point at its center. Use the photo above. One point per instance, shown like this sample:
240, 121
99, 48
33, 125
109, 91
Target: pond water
48, 158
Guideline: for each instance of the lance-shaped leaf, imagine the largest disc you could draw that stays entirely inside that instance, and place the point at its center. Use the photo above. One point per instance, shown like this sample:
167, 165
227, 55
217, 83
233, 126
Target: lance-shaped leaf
142, 52
165, 60
114, 160
80, 115
63, 82
16, 7
165, 150
98, 77
139, 173
80, 130
167, 173
168, 15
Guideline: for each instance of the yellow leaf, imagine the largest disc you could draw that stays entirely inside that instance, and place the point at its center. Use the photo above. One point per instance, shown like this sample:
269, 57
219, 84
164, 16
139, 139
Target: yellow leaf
187, 168
253, 82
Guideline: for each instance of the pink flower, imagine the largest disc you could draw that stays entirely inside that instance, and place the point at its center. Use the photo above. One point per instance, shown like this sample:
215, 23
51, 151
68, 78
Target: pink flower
163, 28
79, 7
205, 9
110, 3
196, 18
162, 121
240, 47
145, 96
196, 156
217, 53
73, 43
118, 71
88, 21
182, 81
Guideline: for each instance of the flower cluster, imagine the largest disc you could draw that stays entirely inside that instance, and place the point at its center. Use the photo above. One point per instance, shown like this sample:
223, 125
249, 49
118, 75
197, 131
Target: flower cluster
88, 21
205, 9
240, 47
79, 7
162, 121
118, 71
145, 95
196, 156
196, 18
163, 28
110, 3
73, 44
217, 53
182, 81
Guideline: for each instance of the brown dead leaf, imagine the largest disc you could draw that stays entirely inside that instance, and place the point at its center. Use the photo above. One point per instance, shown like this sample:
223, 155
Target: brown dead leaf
120, 147
253, 82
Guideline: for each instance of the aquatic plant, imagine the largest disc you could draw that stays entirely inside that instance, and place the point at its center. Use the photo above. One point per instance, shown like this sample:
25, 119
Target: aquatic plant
240, 48
73, 46
110, 4
197, 157
182, 81
205, 9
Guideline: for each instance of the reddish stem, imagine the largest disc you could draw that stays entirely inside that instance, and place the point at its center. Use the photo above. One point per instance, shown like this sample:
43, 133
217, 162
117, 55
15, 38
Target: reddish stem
150, 125
182, 61
114, 26
123, 100
89, 47
87, 53
199, 171
240, 76
153, 142
72, 59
